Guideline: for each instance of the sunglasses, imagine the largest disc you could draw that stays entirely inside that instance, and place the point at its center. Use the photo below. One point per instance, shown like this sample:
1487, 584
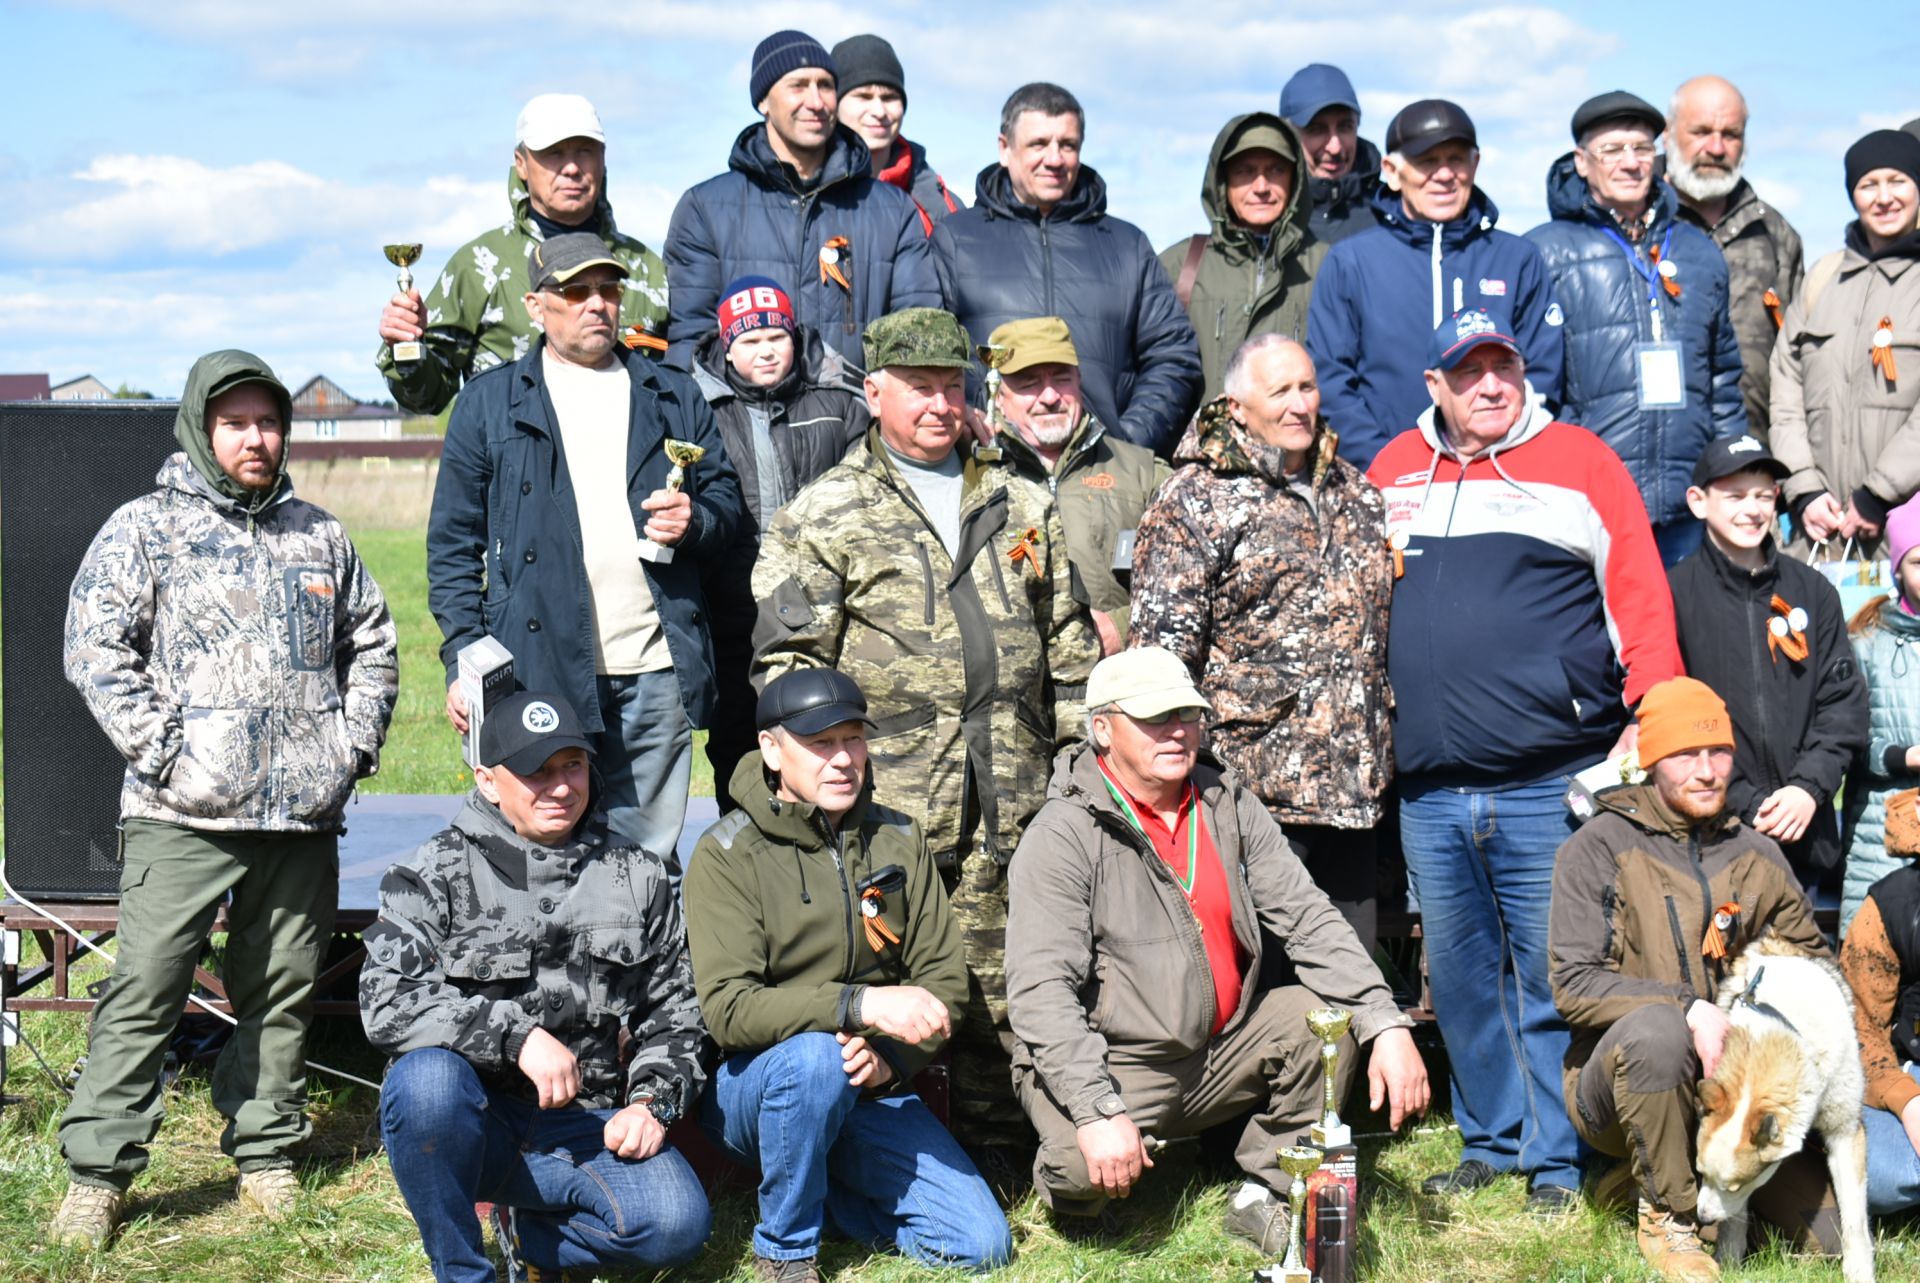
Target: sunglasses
611, 291
1185, 716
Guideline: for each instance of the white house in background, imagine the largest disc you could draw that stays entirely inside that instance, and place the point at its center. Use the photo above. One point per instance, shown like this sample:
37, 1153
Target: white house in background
84, 388
325, 411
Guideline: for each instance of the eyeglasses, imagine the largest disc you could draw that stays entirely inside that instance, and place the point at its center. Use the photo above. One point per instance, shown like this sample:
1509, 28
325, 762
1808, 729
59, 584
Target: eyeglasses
1185, 716
612, 291
1613, 153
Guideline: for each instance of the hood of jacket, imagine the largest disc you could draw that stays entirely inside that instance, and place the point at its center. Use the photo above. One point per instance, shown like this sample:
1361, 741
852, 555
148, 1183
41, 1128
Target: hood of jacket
1233, 236
1216, 440
211, 375
1641, 806
798, 823
1532, 421
484, 824
1479, 218
1357, 184
815, 365
1907, 246
993, 192
847, 157
1570, 199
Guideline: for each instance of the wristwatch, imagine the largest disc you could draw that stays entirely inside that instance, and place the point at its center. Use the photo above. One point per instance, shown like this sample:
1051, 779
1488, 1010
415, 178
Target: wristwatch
664, 1111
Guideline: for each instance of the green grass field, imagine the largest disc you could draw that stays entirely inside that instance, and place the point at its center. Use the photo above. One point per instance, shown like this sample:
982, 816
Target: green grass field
184, 1224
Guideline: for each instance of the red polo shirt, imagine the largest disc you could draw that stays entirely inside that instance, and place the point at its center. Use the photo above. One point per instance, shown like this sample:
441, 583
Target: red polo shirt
1190, 854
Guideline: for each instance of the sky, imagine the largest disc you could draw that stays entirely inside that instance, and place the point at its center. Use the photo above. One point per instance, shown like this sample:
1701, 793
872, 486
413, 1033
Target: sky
183, 175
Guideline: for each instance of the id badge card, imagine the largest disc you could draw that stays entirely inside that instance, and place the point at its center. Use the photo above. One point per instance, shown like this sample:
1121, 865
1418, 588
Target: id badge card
1658, 367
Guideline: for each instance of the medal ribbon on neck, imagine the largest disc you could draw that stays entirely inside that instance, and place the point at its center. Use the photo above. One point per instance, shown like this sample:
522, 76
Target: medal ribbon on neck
1025, 548
1192, 802
1772, 302
830, 255
1883, 350
1787, 631
871, 902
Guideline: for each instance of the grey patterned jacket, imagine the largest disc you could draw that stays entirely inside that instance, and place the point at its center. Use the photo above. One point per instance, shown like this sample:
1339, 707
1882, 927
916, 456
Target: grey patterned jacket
483, 936
242, 662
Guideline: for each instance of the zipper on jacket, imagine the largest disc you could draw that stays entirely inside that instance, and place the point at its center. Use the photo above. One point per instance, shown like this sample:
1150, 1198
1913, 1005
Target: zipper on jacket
1439, 303
1706, 903
1196, 942
1761, 701
1046, 268
926, 578
1680, 944
1000, 582
846, 895
1220, 323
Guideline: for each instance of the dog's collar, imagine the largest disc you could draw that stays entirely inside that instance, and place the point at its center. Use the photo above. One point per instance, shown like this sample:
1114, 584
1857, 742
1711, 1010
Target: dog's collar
1766, 1009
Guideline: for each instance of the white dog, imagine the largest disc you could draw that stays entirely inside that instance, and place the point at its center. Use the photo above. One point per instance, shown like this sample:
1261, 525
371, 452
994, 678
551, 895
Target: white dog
1790, 1064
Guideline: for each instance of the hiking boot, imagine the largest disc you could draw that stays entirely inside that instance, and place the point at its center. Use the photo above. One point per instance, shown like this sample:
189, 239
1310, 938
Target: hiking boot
1613, 1190
799, 1270
270, 1192
87, 1216
1671, 1244
1264, 1221
1552, 1200
1472, 1174
516, 1268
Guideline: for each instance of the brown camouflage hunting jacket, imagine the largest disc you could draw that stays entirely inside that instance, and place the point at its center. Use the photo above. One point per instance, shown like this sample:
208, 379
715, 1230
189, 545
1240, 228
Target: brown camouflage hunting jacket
1280, 611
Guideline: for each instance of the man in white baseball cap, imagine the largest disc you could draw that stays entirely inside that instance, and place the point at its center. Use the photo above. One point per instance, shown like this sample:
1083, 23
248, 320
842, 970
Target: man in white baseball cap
473, 315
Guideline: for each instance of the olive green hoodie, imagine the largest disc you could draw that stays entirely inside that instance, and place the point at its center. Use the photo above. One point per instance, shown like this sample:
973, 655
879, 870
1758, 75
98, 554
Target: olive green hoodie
1248, 284
775, 925
211, 375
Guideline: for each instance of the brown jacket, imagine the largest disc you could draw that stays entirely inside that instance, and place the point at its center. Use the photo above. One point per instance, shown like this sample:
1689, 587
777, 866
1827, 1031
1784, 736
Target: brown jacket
1279, 606
1872, 967
1104, 957
1633, 894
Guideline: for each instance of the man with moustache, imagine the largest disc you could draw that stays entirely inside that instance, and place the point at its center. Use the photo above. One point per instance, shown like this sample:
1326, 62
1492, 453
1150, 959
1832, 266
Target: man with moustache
1342, 167
1706, 149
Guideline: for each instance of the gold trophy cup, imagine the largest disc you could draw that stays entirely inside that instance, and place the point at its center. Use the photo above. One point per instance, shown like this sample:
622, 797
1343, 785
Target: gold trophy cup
684, 455
404, 256
1329, 1025
991, 355
1297, 1161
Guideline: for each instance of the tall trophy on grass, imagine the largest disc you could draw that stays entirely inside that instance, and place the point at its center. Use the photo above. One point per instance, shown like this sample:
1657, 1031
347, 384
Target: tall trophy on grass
1333, 1212
404, 256
683, 454
1296, 1161
1329, 1025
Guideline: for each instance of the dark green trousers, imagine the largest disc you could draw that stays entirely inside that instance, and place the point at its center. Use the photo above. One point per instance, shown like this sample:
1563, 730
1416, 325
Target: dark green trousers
285, 889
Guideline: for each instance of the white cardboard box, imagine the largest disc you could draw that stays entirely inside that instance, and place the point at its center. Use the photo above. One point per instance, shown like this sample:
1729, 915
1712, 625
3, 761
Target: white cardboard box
486, 678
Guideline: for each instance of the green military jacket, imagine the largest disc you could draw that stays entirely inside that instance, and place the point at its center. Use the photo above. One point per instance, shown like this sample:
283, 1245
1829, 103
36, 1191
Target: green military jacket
776, 924
974, 666
476, 309
1101, 485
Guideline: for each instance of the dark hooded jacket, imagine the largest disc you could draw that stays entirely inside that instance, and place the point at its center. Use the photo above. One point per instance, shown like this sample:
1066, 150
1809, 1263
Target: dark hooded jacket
775, 920
1001, 261
1604, 296
1247, 283
759, 219
1343, 206
1379, 296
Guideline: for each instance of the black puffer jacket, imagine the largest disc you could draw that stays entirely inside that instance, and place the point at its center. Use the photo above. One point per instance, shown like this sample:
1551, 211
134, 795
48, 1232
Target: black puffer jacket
757, 219
1001, 261
1343, 206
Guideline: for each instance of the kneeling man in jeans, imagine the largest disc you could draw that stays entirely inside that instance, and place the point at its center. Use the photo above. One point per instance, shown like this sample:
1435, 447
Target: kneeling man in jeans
530, 971
1138, 898
830, 970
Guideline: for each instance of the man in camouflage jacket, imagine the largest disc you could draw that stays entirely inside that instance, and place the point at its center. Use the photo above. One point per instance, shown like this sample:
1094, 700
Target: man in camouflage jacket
231, 644
529, 970
939, 581
1263, 565
474, 316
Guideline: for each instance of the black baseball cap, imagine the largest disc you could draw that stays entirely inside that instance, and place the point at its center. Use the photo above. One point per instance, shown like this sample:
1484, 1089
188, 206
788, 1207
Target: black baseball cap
526, 728
559, 259
1616, 104
1421, 126
809, 700
1728, 455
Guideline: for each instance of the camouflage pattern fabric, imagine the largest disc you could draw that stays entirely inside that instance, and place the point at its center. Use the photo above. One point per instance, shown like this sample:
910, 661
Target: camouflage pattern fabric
923, 337
1281, 614
242, 660
477, 313
484, 936
974, 666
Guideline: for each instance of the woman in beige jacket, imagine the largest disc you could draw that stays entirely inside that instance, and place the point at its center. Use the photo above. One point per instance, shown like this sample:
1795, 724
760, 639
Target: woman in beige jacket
1846, 368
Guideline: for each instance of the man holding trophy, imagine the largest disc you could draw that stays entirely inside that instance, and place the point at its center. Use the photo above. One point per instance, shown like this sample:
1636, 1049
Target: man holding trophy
1134, 935
579, 488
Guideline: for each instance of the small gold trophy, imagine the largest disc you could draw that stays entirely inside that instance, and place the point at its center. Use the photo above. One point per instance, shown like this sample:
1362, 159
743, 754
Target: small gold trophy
991, 355
684, 455
1297, 1161
404, 257
1329, 1025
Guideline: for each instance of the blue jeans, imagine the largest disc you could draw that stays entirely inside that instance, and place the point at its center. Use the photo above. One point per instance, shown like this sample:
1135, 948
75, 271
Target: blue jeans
1893, 1168
1678, 538
1481, 866
645, 759
453, 1142
884, 1169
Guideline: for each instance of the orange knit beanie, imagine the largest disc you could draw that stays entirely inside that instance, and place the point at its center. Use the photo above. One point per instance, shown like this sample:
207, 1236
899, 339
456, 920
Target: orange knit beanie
1679, 715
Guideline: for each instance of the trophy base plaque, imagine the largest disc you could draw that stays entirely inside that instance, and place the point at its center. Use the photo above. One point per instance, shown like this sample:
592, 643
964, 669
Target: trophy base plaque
1281, 1274
1330, 1138
408, 352
658, 554
1333, 1216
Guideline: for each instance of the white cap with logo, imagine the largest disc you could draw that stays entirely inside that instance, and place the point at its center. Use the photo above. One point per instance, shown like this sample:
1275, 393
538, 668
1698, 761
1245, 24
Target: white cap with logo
548, 118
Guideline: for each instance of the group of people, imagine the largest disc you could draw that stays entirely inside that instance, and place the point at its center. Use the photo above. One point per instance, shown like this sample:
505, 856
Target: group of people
1073, 627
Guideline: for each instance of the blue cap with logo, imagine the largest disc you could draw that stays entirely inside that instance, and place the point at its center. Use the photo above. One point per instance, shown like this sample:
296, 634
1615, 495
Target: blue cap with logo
1462, 332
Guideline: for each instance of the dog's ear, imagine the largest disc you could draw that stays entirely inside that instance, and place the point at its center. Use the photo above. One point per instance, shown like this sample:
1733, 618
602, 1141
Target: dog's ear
1713, 1097
1766, 1131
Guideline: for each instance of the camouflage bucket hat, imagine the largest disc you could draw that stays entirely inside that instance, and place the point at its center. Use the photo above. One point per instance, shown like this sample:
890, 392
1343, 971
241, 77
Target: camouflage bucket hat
917, 336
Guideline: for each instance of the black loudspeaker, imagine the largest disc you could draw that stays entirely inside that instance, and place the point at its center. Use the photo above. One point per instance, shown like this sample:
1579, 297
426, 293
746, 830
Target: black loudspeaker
64, 467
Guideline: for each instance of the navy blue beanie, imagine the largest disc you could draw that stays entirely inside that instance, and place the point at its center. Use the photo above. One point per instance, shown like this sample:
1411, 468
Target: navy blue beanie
783, 52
